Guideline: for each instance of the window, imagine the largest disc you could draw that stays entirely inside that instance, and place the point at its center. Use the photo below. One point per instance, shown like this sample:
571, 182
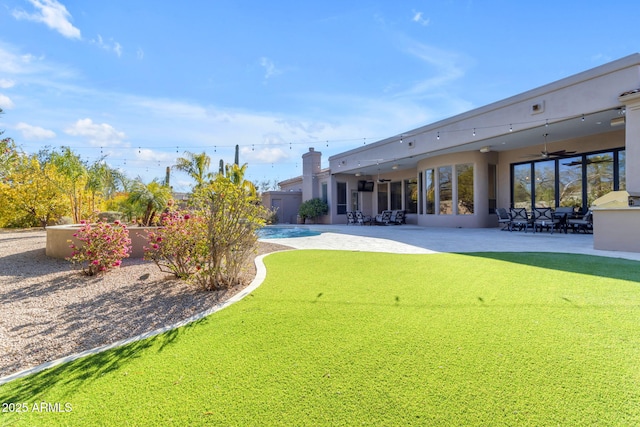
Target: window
622, 171
575, 181
521, 183
599, 175
570, 180
355, 202
492, 186
325, 197
420, 191
464, 177
411, 195
396, 195
383, 197
430, 188
445, 190
545, 178
341, 198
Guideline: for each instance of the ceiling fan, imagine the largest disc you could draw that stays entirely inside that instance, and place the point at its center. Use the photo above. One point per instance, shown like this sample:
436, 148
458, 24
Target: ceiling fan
546, 154
382, 180
588, 162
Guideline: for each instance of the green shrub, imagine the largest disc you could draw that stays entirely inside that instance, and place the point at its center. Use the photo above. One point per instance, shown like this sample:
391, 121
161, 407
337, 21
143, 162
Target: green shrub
313, 208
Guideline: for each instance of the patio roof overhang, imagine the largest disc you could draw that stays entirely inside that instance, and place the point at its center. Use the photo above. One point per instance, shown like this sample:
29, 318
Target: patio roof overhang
569, 128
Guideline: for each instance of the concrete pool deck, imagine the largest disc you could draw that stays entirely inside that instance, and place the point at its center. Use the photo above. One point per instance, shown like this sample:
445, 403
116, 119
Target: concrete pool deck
422, 240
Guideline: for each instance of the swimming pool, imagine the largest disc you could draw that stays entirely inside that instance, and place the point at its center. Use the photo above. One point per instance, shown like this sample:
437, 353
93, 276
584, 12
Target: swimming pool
275, 232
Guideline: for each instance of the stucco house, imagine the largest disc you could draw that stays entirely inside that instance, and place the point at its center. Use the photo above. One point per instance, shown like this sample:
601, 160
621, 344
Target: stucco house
563, 144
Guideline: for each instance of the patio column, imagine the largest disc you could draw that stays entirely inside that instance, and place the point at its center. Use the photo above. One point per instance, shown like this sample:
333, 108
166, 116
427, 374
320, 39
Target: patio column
631, 101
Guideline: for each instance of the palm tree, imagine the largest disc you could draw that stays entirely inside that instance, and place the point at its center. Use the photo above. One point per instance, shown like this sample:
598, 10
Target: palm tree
150, 198
236, 173
196, 166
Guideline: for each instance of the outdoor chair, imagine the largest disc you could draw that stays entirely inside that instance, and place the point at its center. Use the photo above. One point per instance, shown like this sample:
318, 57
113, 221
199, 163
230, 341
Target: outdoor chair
362, 219
351, 218
504, 218
543, 218
397, 217
564, 213
520, 219
383, 218
582, 224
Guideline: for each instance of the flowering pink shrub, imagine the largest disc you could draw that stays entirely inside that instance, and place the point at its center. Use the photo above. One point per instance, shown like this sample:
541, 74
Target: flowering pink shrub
175, 247
103, 246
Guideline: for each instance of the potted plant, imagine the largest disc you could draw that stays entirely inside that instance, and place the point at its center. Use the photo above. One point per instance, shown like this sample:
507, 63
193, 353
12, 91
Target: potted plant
312, 209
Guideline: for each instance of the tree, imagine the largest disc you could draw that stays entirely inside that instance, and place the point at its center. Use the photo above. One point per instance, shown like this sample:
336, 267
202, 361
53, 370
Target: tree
196, 166
231, 218
104, 180
149, 199
236, 173
70, 177
29, 197
8, 156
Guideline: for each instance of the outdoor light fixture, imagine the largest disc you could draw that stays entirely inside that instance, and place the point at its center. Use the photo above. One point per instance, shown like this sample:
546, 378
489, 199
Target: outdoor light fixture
394, 167
617, 121
485, 149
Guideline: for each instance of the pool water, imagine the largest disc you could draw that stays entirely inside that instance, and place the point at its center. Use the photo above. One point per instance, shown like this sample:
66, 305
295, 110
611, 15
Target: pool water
285, 232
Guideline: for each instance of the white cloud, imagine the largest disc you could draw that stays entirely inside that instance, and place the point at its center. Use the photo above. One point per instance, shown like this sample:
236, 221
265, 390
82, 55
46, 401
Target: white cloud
269, 67
417, 17
110, 46
5, 102
265, 155
149, 155
53, 14
6, 83
34, 132
140, 54
170, 108
448, 67
98, 135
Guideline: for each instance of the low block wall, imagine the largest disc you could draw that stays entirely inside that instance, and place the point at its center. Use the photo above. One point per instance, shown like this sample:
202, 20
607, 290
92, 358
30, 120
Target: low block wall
58, 237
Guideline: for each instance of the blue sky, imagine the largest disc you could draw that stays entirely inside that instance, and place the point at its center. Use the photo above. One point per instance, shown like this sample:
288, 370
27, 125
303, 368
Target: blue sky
142, 81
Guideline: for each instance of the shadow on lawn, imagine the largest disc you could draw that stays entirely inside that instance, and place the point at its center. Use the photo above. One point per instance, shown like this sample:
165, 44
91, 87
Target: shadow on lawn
78, 373
614, 268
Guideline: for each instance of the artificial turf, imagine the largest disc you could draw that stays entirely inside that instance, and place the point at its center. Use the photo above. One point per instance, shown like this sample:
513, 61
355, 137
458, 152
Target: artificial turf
346, 338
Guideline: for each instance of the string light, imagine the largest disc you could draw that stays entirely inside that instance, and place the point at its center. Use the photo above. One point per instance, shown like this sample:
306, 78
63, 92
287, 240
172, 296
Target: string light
139, 163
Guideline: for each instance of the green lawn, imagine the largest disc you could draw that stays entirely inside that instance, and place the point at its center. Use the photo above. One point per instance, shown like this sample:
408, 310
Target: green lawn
352, 338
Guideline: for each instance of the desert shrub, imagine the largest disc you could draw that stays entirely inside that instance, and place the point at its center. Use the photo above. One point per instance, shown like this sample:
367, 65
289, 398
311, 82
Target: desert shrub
176, 246
103, 246
209, 245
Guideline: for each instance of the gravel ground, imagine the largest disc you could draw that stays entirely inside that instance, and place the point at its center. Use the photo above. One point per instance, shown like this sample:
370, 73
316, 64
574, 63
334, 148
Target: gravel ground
48, 309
